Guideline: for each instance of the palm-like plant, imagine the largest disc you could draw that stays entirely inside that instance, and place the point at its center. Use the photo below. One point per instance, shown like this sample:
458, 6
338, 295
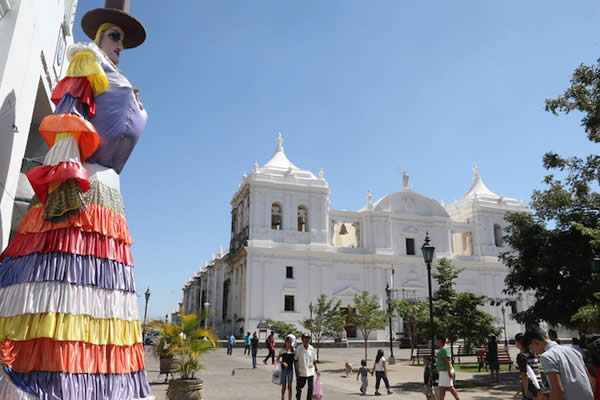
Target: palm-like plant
186, 342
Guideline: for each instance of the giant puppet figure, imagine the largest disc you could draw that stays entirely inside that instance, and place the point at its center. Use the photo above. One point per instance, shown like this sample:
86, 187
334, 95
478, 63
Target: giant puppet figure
69, 324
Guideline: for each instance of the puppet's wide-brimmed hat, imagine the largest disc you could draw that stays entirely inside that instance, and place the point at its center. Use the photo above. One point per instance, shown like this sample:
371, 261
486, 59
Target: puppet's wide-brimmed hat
116, 12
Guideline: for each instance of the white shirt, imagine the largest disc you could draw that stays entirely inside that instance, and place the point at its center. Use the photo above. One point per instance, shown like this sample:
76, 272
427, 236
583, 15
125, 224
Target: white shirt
306, 359
379, 365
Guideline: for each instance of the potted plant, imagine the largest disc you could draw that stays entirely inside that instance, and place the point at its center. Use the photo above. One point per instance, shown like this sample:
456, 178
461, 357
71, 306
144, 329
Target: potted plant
185, 343
164, 352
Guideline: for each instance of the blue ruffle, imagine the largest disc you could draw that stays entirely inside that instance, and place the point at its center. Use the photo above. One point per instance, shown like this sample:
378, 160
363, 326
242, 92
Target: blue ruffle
81, 270
64, 386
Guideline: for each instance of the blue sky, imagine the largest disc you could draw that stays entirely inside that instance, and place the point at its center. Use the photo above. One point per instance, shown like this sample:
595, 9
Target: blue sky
362, 89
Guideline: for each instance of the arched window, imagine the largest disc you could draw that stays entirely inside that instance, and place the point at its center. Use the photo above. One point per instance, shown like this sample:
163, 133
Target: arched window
276, 216
498, 235
302, 219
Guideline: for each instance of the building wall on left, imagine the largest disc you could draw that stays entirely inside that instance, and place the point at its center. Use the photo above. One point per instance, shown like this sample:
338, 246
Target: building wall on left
34, 35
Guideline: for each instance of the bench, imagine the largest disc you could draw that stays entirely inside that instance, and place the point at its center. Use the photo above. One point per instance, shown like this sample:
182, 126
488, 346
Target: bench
422, 352
503, 358
462, 352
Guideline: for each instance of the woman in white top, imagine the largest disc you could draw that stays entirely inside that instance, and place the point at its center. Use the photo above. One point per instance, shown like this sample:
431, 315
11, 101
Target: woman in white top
380, 370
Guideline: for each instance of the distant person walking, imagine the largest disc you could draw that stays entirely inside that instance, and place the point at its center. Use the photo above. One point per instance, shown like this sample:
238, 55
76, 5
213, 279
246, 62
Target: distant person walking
254, 348
380, 370
564, 366
248, 340
230, 343
443, 363
286, 355
305, 362
270, 346
363, 372
552, 335
492, 359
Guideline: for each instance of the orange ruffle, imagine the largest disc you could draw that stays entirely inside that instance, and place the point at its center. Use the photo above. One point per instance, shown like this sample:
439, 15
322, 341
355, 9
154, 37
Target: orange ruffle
73, 357
41, 176
83, 131
68, 240
96, 219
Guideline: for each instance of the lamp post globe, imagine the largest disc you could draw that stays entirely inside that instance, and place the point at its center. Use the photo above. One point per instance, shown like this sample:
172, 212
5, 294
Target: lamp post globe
428, 250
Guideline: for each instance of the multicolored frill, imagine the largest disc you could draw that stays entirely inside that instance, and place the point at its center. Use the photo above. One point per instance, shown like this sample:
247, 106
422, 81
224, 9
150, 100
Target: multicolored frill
69, 322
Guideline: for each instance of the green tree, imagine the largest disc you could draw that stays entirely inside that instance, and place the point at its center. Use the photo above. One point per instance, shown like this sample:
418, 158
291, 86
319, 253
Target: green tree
367, 316
552, 250
411, 312
457, 315
282, 329
327, 320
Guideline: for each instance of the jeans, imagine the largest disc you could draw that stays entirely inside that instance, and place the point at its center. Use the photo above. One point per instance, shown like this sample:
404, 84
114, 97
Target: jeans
300, 381
254, 351
379, 375
247, 349
364, 382
229, 349
272, 355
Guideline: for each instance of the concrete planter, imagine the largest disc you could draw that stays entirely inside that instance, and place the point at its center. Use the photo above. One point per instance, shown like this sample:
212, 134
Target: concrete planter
185, 389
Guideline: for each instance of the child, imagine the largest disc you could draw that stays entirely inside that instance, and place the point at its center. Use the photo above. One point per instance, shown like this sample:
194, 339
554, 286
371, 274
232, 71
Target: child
363, 372
428, 379
492, 358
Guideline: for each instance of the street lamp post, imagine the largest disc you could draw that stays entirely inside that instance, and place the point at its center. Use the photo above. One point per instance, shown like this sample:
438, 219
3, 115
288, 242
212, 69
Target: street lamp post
310, 308
147, 294
504, 321
388, 290
427, 249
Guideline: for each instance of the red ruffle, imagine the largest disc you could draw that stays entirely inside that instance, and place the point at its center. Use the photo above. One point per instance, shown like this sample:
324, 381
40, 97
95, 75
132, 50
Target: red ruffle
69, 240
73, 357
95, 219
79, 87
41, 176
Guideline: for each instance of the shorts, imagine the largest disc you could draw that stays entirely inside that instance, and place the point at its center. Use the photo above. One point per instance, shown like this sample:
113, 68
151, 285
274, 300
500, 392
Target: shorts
445, 380
287, 375
428, 390
494, 365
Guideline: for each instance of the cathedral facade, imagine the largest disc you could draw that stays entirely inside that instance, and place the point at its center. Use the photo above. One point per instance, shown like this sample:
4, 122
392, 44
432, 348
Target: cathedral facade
288, 246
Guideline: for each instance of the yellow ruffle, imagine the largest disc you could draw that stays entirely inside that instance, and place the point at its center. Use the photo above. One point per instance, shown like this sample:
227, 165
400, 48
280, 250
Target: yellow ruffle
84, 63
67, 327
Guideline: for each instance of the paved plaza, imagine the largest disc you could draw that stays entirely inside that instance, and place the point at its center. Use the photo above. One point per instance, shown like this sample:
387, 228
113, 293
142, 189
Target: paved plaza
232, 377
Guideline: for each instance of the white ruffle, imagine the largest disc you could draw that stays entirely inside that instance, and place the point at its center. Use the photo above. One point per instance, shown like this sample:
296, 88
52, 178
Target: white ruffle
66, 149
75, 47
8, 390
107, 176
60, 297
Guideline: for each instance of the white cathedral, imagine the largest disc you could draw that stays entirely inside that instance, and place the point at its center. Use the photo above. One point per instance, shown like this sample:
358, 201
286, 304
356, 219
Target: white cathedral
288, 246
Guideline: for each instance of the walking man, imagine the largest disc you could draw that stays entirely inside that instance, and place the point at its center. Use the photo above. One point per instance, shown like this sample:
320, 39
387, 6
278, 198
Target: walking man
568, 376
270, 345
230, 343
248, 340
305, 362
254, 347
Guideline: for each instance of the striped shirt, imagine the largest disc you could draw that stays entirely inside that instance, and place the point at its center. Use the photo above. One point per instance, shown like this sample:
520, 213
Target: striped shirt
525, 359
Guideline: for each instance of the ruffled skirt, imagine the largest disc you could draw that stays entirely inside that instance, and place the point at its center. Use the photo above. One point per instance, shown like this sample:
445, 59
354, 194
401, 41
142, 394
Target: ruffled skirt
69, 324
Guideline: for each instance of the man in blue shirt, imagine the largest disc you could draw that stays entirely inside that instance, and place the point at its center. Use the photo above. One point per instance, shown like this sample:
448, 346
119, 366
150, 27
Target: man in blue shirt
230, 343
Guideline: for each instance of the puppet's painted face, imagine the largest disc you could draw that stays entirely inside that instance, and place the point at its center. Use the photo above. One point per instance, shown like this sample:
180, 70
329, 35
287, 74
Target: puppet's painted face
111, 42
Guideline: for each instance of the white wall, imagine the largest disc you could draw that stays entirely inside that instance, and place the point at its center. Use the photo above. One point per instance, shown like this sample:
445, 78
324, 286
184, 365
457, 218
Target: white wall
27, 30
